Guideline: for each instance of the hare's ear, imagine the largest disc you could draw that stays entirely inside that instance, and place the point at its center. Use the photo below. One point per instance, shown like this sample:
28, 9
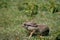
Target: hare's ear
35, 25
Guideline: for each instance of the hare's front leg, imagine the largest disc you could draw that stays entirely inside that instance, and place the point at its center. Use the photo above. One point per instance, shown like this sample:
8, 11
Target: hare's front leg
33, 31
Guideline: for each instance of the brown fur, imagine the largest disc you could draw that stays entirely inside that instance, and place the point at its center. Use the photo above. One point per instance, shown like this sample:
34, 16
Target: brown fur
42, 30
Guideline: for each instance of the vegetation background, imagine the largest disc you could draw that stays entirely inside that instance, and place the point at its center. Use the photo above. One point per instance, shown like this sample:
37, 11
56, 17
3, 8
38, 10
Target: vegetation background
13, 13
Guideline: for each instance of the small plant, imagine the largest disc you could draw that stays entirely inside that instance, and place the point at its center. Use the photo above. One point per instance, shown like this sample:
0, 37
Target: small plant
53, 7
30, 9
4, 4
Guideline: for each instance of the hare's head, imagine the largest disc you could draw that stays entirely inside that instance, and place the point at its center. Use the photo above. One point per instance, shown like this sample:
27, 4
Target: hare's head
29, 25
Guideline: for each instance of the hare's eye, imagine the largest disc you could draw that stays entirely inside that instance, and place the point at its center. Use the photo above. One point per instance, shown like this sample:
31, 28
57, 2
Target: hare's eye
24, 24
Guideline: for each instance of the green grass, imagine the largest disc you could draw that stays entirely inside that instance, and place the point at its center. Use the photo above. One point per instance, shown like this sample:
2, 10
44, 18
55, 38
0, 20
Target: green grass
14, 13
